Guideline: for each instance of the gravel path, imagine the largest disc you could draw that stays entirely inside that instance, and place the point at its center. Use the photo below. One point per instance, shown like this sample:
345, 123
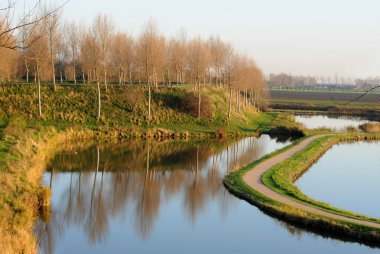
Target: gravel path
253, 179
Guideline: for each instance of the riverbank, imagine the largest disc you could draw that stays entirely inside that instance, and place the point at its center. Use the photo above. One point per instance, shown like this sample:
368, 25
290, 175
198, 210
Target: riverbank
255, 184
24, 152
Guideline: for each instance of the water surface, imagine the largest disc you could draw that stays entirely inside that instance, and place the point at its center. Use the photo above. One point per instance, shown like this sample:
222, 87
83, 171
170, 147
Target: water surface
142, 197
348, 177
337, 123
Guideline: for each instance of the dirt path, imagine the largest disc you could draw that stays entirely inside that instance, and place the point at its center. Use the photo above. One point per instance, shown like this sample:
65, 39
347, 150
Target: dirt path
253, 179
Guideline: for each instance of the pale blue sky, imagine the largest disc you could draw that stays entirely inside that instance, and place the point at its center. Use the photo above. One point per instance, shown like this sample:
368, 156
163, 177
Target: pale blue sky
319, 37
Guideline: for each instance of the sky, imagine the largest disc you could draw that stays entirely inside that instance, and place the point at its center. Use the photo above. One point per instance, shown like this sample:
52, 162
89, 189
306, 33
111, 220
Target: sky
299, 37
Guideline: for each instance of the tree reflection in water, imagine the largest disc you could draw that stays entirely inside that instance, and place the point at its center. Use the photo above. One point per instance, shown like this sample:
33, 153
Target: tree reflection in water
109, 181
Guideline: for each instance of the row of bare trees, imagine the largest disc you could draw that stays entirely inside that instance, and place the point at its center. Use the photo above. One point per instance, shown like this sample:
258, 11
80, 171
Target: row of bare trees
53, 50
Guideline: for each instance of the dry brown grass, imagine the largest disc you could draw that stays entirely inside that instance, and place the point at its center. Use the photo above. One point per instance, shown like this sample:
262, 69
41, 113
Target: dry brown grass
370, 127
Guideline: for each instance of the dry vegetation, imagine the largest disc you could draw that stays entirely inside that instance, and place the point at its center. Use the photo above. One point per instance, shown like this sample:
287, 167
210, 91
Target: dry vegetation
370, 127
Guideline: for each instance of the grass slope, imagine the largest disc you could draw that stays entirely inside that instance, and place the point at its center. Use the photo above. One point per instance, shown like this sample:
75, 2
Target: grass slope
124, 109
24, 152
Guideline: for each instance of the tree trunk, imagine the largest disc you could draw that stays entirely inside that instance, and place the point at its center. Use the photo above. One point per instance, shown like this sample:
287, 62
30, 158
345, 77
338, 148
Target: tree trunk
61, 74
237, 101
74, 73
99, 101
199, 99
138, 73
230, 104
155, 79
130, 76
149, 102
27, 71
169, 79
39, 90
52, 67
245, 97
105, 77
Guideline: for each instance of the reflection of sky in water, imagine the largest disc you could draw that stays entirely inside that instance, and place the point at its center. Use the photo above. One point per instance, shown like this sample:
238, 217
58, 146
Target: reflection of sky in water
167, 211
335, 123
347, 176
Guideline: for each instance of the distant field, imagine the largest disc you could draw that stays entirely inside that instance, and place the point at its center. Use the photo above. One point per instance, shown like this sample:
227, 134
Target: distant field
322, 96
313, 90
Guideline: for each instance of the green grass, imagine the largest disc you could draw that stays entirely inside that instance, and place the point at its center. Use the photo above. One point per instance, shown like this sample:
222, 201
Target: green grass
124, 109
236, 185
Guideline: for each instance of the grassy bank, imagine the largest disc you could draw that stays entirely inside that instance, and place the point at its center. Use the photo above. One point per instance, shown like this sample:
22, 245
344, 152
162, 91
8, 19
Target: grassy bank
24, 152
124, 110
286, 173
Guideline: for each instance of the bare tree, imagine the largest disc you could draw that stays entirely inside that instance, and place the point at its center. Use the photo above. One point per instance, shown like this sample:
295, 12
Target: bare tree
230, 66
218, 50
122, 56
150, 53
9, 66
73, 41
178, 55
198, 56
11, 24
38, 53
52, 26
104, 28
92, 50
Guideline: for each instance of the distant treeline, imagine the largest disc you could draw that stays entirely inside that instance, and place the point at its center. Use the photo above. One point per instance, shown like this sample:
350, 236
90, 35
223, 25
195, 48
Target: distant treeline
283, 80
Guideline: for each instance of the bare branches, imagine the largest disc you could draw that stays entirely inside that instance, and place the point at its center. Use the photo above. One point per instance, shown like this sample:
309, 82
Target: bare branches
372, 89
30, 17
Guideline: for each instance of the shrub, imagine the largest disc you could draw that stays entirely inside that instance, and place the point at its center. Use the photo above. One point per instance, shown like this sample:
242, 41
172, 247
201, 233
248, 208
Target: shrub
351, 129
285, 131
370, 127
190, 105
221, 133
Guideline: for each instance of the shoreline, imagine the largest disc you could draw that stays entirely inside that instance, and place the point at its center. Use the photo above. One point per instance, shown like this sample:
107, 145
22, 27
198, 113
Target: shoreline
247, 184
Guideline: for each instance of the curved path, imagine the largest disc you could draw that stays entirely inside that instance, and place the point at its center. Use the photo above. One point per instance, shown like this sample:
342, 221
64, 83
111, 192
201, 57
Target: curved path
253, 179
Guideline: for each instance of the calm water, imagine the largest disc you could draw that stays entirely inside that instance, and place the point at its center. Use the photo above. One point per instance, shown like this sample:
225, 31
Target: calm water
337, 123
164, 198
347, 176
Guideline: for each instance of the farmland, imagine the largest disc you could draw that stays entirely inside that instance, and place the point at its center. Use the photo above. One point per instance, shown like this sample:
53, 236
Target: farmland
324, 96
